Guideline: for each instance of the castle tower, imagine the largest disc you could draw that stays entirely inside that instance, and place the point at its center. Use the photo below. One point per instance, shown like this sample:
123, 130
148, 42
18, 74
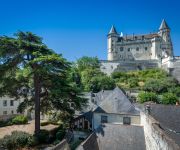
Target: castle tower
166, 44
112, 39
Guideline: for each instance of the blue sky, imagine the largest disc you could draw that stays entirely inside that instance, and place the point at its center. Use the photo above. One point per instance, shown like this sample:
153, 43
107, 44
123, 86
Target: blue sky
79, 27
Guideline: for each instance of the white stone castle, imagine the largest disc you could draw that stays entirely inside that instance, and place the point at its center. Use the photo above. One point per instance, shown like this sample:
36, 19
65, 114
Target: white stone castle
154, 46
138, 52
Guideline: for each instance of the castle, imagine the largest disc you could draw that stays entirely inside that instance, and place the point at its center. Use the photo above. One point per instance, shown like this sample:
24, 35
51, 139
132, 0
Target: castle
154, 46
138, 52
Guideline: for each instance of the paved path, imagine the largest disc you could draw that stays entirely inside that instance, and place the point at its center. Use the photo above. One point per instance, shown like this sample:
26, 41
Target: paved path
26, 128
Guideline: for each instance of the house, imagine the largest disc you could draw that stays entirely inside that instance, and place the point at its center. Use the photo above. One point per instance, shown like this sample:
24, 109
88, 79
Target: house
111, 106
8, 106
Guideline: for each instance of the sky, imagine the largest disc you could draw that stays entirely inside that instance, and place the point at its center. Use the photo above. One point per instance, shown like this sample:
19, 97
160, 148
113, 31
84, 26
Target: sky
77, 28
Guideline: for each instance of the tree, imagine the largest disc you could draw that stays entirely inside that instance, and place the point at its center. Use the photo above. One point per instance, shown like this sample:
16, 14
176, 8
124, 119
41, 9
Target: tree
87, 62
147, 96
103, 82
169, 98
32, 71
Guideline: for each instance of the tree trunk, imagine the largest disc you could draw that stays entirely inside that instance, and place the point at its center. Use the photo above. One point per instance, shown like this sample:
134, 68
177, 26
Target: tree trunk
37, 103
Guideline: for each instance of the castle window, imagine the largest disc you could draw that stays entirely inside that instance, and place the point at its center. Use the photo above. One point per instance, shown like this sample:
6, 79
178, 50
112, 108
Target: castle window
135, 37
137, 48
129, 49
143, 37
146, 48
121, 49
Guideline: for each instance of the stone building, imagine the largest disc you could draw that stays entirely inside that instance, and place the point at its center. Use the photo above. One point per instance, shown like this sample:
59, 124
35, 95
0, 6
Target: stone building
107, 106
153, 46
139, 52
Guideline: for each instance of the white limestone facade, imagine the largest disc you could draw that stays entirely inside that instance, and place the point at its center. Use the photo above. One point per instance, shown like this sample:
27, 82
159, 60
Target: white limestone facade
154, 46
8, 106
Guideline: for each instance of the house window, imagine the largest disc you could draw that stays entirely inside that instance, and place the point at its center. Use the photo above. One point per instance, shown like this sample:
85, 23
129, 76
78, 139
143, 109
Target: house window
12, 112
104, 119
4, 112
126, 120
128, 49
146, 48
121, 49
137, 48
11, 103
5, 103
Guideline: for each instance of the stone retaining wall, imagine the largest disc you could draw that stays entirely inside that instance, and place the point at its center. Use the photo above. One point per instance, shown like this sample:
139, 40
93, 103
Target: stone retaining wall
155, 137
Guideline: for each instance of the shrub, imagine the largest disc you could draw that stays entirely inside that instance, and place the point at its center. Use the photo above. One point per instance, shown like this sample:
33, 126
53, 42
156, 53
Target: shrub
147, 96
45, 123
43, 136
169, 98
17, 139
20, 120
60, 134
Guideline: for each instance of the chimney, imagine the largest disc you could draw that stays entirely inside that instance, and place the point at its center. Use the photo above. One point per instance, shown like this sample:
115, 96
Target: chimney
177, 103
148, 109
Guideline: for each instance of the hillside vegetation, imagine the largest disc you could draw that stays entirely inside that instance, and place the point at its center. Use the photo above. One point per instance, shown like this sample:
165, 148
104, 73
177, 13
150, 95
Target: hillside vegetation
153, 84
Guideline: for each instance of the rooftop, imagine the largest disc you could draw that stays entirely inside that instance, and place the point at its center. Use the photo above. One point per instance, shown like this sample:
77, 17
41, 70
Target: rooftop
169, 118
113, 137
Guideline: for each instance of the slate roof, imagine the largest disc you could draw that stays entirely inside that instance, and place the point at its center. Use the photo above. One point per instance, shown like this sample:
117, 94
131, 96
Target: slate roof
169, 118
115, 137
113, 30
116, 102
139, 37
107, 101
163, 25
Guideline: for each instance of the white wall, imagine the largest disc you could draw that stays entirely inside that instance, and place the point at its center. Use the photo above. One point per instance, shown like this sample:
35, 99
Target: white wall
155, 138
114, 118
10, 109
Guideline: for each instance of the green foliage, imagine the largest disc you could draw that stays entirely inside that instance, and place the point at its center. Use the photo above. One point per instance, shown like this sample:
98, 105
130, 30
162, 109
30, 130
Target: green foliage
98, 83
60, 134
75, 144
20, 120
28, 68
147, 96
169, 98
159, 85
150, 77
87, 62
43, 136
16, 140
88, 76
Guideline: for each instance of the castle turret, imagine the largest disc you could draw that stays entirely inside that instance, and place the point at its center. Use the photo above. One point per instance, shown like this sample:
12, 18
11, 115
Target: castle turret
112, 39
166, 44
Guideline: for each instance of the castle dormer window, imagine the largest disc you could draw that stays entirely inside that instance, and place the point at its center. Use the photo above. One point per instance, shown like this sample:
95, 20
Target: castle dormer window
121, 49
137, 48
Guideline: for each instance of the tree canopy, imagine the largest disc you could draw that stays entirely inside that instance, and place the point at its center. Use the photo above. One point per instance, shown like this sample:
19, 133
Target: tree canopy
31, 71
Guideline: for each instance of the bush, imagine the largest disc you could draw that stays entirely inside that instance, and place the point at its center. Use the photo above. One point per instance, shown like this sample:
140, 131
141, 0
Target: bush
60, 134
169, 98
43, 136
147, 96
17, 139
20, 120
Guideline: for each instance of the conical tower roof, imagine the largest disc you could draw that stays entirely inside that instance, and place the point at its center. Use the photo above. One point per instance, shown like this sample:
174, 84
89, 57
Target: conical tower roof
113, 30
163, 25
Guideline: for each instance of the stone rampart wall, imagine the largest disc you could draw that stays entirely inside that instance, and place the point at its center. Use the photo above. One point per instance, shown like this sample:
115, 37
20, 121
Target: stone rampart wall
155, 137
